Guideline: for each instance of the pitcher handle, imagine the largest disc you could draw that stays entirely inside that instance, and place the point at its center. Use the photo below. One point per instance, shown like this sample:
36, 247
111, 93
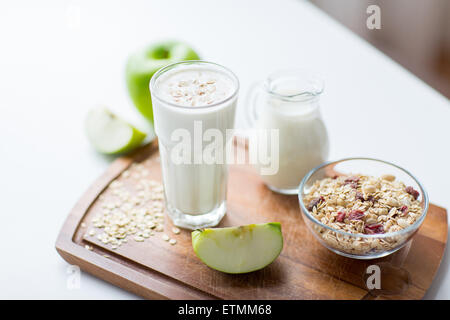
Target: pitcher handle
250, 103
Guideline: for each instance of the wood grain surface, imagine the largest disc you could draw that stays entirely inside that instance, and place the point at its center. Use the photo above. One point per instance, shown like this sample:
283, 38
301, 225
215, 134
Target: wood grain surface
305, 269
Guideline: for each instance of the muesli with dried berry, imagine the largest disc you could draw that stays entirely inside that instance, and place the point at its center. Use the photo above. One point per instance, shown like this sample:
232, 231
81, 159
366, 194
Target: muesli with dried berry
362, 204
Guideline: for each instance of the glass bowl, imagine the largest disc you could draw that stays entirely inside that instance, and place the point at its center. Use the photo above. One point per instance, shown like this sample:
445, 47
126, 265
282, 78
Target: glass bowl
357, 245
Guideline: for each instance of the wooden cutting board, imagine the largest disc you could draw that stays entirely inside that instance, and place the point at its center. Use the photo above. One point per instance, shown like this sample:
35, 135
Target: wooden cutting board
305, 269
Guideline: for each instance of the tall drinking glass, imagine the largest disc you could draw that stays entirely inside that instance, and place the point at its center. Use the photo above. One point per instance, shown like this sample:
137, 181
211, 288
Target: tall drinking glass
194, 106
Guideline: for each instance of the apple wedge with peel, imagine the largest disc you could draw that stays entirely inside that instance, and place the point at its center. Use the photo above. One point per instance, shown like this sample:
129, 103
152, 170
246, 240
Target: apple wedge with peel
110, 134
239, 249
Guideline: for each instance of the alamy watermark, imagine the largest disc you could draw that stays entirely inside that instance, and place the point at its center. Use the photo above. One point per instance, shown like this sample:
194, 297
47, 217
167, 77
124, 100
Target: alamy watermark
73, 281
385, 278
374, 19
373, 280
214, 146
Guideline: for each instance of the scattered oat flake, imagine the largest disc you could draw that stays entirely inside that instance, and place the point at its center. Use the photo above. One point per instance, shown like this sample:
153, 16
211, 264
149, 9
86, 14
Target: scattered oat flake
175, 230
172, 241
129, 211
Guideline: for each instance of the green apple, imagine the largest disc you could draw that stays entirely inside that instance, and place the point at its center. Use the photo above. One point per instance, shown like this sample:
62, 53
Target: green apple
110, 134
143, 64
239, 249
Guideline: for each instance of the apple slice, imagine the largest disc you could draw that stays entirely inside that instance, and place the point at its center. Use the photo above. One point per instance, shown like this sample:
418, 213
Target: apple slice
110, 134
239, 249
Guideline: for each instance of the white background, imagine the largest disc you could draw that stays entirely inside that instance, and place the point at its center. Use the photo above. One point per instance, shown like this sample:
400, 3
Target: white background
60, 58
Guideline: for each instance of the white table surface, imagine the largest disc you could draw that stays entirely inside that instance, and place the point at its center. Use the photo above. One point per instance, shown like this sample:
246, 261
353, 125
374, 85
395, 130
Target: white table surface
59, 58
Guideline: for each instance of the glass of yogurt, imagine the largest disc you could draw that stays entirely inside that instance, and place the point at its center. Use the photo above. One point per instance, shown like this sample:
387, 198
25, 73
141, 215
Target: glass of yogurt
194, 106
288, 101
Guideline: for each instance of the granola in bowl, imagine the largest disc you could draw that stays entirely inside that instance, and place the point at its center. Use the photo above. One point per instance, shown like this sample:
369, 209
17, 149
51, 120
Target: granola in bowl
363, 216
364, 204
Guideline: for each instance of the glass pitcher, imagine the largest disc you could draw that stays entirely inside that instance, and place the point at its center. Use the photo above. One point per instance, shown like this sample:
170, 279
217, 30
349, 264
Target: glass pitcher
289, 101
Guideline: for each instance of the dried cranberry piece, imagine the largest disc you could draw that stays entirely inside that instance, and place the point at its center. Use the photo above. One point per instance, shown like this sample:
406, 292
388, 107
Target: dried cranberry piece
354, 185
341, 216
404, 210
373, 228
352, 179
412, 192
314, 202
359, 196
356, 215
